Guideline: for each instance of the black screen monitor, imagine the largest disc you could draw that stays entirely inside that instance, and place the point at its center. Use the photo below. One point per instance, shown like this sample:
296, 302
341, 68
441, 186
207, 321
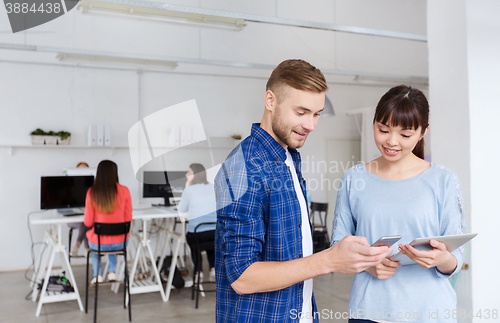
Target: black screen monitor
59, 192
163, 184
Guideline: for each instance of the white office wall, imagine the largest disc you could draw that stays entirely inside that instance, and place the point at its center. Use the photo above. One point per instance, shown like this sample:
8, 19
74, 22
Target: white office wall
464, 75
448, 92
54, 97
484, 100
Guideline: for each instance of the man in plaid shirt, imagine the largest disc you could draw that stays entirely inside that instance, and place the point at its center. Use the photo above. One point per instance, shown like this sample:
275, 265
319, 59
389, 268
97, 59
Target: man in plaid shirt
264, 258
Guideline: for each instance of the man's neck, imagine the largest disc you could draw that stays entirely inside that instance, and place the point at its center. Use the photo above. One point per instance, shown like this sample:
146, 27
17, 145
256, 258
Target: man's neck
266, 125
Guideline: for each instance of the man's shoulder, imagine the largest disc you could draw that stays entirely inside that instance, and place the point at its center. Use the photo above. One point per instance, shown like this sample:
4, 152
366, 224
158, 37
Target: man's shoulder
250, 153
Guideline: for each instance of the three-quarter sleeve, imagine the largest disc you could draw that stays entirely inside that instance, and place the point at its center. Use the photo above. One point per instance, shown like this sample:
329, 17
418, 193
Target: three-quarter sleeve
343, 221
89, 217
240, 220
452, 217
183, 205
128, 206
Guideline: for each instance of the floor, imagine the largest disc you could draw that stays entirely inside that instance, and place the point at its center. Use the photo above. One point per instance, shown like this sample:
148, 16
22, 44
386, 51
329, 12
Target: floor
331, 292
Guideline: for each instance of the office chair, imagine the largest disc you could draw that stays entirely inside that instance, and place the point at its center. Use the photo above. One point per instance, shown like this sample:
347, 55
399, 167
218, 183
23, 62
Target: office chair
110, 229
319, 211
208, 245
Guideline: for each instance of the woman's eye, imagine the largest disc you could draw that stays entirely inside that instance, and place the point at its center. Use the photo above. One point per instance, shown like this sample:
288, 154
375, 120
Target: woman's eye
383, 131
406, 136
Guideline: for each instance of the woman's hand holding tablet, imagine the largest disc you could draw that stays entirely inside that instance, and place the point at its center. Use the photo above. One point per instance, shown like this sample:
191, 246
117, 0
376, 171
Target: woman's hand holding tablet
437, 257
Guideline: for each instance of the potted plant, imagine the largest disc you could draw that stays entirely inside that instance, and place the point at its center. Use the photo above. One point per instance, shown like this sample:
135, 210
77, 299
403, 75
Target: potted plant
40, 137
64, 138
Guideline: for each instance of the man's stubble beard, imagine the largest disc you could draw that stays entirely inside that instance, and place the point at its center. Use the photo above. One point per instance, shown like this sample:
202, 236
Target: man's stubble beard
283, 132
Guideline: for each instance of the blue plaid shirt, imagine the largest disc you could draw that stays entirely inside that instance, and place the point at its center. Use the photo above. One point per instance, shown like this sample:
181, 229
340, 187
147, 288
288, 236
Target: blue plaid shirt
258, 219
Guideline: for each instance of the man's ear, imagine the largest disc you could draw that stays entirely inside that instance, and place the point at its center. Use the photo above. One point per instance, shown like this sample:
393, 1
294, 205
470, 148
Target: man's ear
270, 100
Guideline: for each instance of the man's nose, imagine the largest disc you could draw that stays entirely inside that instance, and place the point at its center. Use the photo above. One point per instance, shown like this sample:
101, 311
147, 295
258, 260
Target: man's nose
310, 124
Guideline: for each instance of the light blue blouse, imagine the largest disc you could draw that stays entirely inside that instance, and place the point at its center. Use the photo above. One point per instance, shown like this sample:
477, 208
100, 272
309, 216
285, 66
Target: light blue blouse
429, 204
199, 201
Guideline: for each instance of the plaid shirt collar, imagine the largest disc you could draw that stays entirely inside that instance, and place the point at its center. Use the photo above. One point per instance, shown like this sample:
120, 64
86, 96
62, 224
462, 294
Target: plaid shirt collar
273, 147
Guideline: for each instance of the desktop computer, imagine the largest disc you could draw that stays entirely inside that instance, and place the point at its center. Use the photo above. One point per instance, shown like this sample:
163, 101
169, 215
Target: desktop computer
64, 193
164, 184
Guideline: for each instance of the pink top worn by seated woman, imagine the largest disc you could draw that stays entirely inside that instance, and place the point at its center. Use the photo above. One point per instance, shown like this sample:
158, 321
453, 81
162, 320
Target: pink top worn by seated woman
122, 213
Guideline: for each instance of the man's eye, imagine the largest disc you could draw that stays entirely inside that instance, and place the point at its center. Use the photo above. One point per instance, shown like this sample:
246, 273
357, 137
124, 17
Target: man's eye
300, 113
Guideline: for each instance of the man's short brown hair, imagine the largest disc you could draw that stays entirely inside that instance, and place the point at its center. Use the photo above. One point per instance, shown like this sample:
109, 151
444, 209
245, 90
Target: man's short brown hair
298, 74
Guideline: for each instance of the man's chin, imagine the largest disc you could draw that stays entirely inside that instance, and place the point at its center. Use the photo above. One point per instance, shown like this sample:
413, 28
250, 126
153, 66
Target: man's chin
296, 144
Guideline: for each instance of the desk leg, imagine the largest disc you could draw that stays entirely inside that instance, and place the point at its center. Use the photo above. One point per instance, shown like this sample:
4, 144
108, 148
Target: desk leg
172, 269
45, 283
145, 244
136, 262
47, 270
155, 269
162, 240
43, 263
65, 263
36, 268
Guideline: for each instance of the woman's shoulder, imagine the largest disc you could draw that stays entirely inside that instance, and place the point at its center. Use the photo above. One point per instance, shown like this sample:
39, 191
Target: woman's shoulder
200, 187
442, 171
122, 189
443, 174
355, 171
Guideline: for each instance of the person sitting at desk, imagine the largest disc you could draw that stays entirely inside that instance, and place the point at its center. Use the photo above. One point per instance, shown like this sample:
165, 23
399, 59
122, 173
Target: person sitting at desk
107, 202
198, 199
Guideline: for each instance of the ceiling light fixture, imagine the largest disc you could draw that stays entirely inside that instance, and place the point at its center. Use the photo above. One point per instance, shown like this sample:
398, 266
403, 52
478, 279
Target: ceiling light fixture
107, 59
161, 11
328, 110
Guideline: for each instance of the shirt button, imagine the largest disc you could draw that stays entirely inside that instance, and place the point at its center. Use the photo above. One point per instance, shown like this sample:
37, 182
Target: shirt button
288, 167
300, 285
295, 195
300, 225
300, 255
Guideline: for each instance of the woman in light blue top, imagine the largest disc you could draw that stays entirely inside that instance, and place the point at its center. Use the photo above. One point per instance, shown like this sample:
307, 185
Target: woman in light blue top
400, 193
198, 199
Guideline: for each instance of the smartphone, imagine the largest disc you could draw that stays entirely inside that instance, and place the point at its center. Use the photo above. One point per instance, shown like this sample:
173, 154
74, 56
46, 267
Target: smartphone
386, 241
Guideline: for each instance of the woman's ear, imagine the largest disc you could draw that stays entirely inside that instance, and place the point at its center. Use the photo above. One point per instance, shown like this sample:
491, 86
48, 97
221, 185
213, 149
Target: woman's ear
425, 132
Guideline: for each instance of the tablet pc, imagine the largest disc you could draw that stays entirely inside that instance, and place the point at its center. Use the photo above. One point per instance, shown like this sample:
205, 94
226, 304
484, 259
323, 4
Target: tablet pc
451, 242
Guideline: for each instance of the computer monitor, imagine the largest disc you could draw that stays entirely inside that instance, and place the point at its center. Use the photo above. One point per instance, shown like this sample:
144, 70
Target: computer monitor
61, 192
163, 184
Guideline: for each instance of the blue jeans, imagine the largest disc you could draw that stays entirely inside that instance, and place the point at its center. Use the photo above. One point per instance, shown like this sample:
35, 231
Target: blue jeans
111, 258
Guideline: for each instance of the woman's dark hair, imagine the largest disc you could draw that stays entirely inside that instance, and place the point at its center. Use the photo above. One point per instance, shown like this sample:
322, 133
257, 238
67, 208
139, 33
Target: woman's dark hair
104, 189
200, 175
406, 107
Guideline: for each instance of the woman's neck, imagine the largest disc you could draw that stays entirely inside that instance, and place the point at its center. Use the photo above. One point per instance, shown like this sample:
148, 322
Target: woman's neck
407, 167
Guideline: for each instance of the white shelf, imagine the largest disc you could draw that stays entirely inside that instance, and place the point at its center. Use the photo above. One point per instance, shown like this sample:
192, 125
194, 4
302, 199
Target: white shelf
216, 143
11, 148
62, 147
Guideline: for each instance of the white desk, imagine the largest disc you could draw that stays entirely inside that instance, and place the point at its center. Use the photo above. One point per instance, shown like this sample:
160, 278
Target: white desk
55, 246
